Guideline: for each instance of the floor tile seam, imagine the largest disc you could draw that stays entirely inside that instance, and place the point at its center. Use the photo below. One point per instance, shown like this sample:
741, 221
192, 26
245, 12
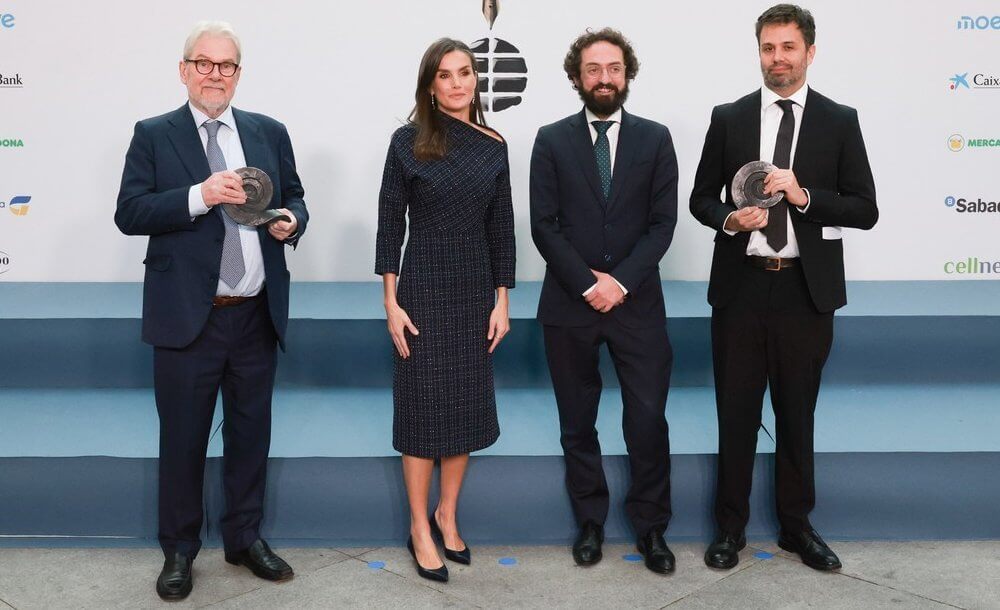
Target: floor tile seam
733, 572
898, 590
6, 604
417, 582
226, 599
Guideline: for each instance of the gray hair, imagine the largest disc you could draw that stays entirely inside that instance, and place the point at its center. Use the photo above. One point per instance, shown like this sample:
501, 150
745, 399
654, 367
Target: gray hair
212, 28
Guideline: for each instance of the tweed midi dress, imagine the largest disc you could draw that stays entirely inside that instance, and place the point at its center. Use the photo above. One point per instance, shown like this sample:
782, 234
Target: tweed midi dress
460, 248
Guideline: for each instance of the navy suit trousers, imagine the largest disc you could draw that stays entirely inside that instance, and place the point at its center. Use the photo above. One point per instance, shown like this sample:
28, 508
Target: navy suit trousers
235, 352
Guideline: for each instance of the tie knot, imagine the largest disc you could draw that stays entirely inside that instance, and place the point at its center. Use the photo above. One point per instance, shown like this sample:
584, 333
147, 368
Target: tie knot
602, 127
785, 105
212, 127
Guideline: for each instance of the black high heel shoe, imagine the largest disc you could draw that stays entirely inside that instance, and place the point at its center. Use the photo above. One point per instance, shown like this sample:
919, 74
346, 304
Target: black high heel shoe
437, 574
464, 556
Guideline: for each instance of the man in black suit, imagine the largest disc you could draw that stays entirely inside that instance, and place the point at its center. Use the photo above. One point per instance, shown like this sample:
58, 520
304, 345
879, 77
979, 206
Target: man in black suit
603, 210
777, 276
215, 300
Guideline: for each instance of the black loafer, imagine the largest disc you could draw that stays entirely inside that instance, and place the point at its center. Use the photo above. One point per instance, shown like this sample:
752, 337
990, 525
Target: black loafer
436, 574
587, 548
658, 556
174, 582
464, 556
811, 548
262, 562
724, 552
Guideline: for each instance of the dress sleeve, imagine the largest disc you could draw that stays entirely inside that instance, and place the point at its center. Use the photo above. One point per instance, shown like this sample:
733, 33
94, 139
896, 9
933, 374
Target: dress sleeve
500, 229
392, 202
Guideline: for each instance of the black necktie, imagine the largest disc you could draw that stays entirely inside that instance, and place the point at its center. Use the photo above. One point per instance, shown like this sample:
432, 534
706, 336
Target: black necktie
776, 230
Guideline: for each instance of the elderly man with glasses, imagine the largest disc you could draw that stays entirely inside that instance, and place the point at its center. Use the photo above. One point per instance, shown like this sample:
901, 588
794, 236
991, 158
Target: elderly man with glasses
215, 300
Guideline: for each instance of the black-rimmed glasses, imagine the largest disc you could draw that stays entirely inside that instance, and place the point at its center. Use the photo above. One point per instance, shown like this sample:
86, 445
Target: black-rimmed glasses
206, 66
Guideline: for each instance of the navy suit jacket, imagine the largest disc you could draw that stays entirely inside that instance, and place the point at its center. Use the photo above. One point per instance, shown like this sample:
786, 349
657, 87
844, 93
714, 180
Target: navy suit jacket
576, 230
166, 157
830, 162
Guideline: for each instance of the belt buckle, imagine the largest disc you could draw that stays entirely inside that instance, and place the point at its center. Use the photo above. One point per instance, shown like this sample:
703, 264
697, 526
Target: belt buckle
773, 264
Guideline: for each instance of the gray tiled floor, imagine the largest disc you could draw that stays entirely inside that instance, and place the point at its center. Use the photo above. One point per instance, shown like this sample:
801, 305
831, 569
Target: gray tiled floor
875, 575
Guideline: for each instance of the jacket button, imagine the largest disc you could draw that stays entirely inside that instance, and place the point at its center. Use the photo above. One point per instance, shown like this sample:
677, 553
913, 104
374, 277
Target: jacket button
214, 277
607, 227
607, 258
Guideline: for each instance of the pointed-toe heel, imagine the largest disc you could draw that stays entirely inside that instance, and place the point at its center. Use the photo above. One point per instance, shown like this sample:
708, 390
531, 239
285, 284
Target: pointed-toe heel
464, 556
437, 574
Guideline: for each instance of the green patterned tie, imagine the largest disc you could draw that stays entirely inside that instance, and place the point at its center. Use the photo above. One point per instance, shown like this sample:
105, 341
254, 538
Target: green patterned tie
602, 150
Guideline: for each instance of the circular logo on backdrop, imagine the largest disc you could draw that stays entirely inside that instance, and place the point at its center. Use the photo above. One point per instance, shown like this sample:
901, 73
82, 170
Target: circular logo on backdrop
503, 73
956, 142
949, 201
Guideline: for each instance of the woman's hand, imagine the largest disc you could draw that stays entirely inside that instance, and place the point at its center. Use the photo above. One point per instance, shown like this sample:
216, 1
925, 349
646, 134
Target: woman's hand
499, 324
399, 322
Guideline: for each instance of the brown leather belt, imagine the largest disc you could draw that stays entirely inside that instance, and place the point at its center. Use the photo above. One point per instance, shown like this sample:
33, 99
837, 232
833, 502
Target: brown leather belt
229, 301
768, 263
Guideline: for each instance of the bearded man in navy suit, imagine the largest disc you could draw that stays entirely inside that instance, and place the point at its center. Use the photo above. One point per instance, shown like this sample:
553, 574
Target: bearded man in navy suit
603, 210
215, 299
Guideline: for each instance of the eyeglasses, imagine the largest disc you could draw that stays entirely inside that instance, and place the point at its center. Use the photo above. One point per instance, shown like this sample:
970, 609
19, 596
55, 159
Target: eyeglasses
206, 66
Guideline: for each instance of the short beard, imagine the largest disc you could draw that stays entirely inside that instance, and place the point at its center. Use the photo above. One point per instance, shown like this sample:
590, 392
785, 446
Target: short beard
780, 82
604, 106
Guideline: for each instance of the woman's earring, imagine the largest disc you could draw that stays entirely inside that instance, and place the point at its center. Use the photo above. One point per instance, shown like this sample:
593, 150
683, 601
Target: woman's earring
433, 102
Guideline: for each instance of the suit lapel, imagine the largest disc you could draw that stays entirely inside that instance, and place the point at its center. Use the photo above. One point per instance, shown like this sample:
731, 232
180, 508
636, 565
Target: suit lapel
809, 132
254, 148
628, 142
749, 116
185, 140
584, 146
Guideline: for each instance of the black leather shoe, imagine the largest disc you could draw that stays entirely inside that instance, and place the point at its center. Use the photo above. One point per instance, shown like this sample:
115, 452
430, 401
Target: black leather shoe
724, 552
811, 548
587, 548
438, 574
655, 551
464, 556
262, 561
174, 582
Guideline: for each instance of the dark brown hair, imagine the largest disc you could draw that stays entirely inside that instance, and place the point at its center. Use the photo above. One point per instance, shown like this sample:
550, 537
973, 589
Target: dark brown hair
431, 141
789, 13
572, 62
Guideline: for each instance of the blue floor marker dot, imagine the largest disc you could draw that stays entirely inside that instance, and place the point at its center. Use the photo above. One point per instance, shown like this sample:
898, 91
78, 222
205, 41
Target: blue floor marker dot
633, 557
508, 561
763, 555
376, 565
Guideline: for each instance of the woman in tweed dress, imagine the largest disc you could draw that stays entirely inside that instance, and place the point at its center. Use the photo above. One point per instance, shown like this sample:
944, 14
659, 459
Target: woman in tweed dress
450, 312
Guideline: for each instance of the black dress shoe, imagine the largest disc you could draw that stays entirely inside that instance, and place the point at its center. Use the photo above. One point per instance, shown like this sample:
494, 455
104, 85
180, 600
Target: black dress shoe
724, 552
438, 574
587, 548
174, 582
811, 548
655, 551
262, 561
464, 556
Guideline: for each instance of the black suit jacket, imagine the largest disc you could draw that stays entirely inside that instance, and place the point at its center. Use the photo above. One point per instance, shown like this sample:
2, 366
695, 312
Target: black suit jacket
830, 162
576, 230
166, 157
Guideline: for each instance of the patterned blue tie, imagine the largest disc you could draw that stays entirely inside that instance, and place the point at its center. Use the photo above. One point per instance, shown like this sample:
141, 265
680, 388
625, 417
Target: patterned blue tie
232, 269
602, 150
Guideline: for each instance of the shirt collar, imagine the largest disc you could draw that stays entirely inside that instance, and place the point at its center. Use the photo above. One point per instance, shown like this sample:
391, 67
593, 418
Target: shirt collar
226, 118
616, 117
768, 97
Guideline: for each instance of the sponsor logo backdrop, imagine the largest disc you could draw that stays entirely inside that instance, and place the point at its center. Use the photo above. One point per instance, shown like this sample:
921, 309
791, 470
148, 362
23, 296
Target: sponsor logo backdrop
341, 77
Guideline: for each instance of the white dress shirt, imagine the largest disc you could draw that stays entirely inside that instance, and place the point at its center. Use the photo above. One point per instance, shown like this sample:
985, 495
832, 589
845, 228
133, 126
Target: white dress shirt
612, 133
232, 150
770, 120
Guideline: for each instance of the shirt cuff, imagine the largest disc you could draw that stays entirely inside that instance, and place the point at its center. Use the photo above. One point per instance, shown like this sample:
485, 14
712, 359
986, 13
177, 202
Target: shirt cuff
624, 289
724, 229
803, 209
196, 203
589, 290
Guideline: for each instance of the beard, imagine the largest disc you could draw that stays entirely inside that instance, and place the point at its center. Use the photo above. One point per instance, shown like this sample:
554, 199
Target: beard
781, 81
604, 106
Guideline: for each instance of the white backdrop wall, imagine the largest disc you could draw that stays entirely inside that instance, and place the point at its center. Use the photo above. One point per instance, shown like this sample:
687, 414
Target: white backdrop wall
341, 75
